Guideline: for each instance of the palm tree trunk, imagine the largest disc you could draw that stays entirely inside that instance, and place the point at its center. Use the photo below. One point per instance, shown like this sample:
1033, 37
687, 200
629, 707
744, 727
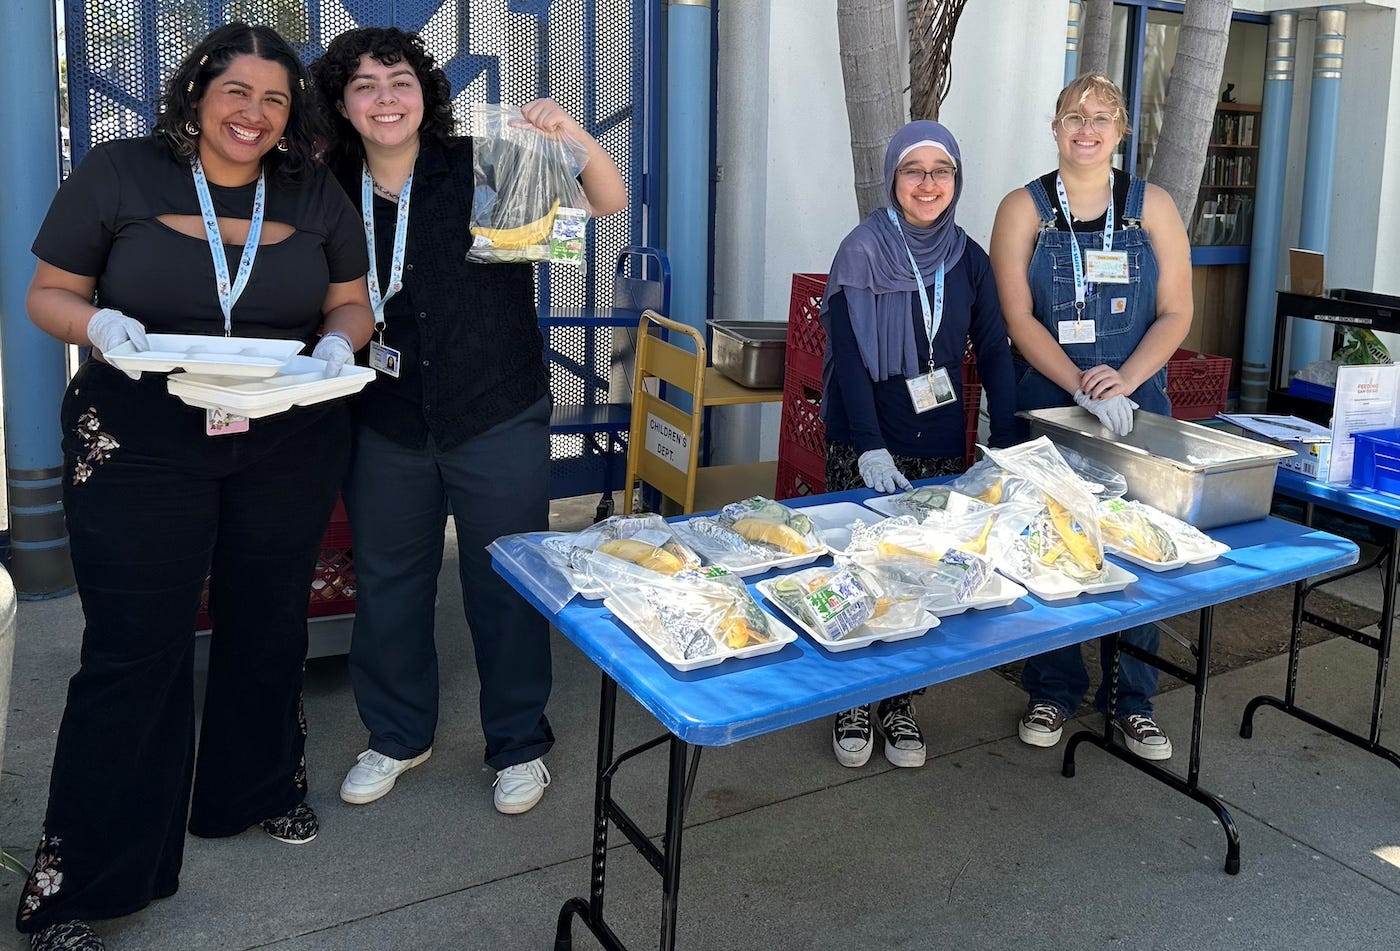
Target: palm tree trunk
1191, 96
1095, 22
931, 27
870, 72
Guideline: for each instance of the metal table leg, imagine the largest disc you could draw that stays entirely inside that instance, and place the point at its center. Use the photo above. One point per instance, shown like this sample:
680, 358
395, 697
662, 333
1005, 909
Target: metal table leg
666, 860
1190, 785
1390, 556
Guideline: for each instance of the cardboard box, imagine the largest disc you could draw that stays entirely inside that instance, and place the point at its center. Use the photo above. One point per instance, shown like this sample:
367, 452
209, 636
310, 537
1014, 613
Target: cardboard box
1312, 459
1306, 272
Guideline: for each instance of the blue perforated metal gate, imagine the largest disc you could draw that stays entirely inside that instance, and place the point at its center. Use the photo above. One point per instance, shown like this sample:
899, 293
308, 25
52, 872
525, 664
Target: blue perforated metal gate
594, 57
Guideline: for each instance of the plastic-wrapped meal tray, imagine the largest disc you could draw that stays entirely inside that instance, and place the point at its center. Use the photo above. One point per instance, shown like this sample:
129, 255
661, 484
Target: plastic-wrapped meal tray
782, 636
739, 565
205, 355
862, 636
998, 592
302, 382
1056, 586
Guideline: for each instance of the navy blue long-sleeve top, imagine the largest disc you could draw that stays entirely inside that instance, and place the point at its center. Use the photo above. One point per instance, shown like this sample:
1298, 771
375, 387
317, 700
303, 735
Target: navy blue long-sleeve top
866, 414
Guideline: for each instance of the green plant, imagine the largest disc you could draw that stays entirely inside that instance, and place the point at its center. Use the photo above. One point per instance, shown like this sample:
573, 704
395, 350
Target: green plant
8, 861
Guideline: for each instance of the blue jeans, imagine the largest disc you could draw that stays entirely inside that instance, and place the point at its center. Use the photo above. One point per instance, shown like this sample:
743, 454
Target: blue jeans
397, 498
1059, 677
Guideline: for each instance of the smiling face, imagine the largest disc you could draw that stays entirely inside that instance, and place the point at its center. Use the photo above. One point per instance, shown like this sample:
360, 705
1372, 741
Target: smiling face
1092, 144
242, 113
922, 197
384, 104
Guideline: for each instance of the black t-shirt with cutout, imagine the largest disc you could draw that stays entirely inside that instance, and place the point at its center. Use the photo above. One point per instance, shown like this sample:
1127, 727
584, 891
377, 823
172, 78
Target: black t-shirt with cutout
104, 223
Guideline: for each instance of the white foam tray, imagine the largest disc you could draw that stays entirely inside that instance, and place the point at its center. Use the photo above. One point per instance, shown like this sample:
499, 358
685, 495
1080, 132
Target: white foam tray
998, 592
205, 355
302, 383
832, 522
1186, 555
782, 636
855, 639
1055, 586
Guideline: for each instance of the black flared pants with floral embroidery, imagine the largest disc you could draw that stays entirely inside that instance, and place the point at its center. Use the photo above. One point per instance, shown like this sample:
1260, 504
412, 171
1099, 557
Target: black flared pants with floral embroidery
153, 505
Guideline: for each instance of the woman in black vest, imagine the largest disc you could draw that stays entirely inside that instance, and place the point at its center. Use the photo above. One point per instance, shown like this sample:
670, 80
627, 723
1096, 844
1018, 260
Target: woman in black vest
461, 421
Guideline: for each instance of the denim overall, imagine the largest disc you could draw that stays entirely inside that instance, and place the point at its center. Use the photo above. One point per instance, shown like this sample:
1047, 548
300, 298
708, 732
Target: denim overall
1059, 677
1116, 335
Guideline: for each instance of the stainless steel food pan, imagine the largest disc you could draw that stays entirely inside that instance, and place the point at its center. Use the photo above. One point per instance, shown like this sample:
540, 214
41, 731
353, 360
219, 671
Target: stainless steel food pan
1201, 475
750, 352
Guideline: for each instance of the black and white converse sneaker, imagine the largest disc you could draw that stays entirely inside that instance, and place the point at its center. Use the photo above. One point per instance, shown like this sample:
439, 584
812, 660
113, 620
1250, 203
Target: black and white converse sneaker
851, 738
1143, 736
904, 744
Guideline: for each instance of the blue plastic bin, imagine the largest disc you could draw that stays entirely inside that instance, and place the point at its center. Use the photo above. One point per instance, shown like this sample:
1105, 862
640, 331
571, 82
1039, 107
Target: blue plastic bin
1312, 391
1376, 463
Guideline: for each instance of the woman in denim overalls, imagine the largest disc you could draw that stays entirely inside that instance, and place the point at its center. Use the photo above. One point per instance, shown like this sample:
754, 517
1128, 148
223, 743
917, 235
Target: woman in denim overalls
1097, 332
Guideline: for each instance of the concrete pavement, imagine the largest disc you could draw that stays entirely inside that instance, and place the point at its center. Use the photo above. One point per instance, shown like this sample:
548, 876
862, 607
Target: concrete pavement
986, 847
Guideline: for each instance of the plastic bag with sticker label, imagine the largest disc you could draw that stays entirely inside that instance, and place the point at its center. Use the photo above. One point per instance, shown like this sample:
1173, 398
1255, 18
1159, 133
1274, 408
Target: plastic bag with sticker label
528, 204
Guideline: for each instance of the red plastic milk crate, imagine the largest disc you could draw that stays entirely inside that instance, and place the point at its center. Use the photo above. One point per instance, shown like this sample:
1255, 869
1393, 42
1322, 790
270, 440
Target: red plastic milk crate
802, 437
332, 586
1197, 384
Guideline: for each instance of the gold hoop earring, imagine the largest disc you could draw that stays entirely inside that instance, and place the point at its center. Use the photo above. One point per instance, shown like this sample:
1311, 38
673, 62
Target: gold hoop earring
192, 128
282, 144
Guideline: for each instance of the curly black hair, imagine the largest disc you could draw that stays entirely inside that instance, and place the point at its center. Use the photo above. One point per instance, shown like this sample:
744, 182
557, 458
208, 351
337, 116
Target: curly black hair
305, 134
388, 45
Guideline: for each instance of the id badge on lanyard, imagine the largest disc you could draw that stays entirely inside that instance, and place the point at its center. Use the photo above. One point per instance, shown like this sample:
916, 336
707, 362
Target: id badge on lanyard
219, 422
1104, 266
935, 388
382, 357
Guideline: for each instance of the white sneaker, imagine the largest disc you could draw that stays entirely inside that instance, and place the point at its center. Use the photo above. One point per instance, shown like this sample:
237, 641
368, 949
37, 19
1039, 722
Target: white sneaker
520, 787
374, 774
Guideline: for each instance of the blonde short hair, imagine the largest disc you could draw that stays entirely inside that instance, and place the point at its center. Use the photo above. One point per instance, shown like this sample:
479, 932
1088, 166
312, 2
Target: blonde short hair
1093, 84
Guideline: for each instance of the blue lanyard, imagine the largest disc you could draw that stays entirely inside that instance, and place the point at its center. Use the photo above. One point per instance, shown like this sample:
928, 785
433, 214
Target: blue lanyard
933, 319
400, 243
1082, 288
229, 294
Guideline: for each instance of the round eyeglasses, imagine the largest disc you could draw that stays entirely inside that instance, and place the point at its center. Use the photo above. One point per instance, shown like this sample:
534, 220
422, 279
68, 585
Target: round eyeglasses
1102, 123
914, 177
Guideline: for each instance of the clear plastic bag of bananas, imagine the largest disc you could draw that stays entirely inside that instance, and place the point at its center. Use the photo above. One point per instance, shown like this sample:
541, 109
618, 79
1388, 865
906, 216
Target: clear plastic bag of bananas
528, 204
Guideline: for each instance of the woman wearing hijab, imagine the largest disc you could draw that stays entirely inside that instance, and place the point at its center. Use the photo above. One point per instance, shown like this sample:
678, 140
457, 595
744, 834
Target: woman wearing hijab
892, 403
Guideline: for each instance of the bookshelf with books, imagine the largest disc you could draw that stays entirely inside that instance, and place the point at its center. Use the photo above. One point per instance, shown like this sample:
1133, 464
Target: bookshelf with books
1225, 207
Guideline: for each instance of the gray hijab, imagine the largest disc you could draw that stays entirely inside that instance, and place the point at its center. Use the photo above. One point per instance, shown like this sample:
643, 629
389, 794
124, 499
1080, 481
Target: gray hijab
872, 267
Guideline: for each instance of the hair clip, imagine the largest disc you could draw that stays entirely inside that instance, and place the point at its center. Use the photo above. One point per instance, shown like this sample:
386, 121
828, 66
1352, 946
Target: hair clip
301, 81
189, 87
204, 59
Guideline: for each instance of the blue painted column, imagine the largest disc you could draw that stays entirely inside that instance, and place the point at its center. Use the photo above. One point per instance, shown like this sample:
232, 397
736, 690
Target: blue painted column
1321, 163
1268, 211
33, 370
687, 196
1072, 37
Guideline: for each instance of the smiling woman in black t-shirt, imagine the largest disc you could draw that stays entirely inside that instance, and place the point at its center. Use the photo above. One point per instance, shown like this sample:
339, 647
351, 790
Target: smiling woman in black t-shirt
158, 495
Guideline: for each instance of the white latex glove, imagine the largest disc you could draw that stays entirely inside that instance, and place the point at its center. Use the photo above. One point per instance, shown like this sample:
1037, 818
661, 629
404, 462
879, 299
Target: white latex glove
108, 329
336, 350
1116, 412
878, 470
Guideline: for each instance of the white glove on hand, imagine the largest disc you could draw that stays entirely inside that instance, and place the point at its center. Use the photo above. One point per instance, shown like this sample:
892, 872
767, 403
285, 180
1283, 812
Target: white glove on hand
878, 470
1116, 412
335, 349
108, 329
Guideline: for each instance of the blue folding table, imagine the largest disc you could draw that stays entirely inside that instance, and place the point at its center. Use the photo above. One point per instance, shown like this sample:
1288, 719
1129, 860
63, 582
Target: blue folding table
736, 700
1374, 508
